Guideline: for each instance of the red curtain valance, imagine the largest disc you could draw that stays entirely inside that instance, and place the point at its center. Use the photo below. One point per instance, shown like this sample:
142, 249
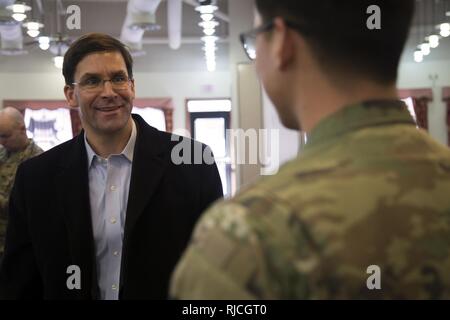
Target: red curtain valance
446, 93
416, 93
420, 98
446, 98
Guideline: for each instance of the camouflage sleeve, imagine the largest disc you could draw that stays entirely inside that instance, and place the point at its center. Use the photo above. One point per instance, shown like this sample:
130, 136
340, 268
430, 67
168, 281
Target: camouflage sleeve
2, 154
251, 248
2, 202
223, 260
3, 223
3, 208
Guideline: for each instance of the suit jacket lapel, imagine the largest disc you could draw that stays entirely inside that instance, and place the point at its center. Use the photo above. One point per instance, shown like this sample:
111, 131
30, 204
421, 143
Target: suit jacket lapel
149, 163
73, 187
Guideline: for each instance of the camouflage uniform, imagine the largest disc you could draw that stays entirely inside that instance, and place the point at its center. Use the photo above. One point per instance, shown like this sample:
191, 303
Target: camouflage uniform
8, 167
369, 189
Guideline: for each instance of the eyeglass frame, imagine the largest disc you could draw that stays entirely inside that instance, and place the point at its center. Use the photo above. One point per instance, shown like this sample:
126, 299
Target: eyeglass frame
265, 28
103, 81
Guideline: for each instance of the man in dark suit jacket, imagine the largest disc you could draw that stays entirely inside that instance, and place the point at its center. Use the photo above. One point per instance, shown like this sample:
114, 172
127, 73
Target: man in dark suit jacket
58, 244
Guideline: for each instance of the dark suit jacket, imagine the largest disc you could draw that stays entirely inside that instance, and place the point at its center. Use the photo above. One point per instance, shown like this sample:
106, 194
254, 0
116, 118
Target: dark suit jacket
50, 224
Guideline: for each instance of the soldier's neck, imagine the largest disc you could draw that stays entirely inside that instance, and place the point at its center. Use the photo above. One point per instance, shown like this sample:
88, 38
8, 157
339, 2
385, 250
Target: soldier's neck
322, 100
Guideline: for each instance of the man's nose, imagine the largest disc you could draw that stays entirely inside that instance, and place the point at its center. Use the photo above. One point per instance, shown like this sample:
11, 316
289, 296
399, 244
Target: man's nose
107, 90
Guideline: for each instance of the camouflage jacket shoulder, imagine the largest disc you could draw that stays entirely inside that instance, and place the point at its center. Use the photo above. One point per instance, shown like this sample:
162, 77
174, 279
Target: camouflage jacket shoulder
8, 168
373, 196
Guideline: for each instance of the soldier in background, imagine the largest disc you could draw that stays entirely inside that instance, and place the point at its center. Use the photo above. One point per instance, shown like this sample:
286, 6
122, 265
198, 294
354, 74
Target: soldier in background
16, 148
364, 211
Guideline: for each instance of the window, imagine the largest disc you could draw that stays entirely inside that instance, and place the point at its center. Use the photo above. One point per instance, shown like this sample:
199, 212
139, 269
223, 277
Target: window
154, 117
48, 128
410, 103
209, 122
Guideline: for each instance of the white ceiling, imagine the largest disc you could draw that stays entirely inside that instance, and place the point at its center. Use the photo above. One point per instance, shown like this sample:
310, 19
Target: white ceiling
108, 16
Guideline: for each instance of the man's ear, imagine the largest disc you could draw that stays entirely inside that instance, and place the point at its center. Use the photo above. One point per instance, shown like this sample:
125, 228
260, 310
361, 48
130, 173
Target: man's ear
284, 46
22, 128
69, 92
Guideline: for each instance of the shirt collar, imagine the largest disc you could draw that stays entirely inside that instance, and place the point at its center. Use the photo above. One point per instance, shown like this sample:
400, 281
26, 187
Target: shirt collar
358, 116
127, 152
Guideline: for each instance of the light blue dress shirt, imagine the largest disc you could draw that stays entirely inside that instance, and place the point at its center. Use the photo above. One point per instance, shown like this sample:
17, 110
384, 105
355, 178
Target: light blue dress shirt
109, 184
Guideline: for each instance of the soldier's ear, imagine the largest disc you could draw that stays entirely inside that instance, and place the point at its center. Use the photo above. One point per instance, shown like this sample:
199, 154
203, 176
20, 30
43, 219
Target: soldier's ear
283, 43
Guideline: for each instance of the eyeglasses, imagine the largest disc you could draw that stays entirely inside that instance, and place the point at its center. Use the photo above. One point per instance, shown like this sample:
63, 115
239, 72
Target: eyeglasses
248, 39
94, 83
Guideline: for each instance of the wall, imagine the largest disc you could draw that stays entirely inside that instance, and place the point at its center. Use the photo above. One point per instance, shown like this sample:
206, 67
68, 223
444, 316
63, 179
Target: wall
289, 141
417, 75
241, 20
178, 86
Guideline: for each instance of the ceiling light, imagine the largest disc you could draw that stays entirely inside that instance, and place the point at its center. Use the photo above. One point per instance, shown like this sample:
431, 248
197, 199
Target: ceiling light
33, 33
19, 16
211, 66
433, 40
19, 10
425, 48
44, 43
418, 56
44, 46
208, 9
211, 39
58, 61
207, 16
209, 32
33, 28
445, 29
144, 21
208, 24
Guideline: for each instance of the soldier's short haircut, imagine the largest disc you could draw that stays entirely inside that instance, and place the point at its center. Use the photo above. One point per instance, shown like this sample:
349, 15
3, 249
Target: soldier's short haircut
13, 115
93, 43
339, 37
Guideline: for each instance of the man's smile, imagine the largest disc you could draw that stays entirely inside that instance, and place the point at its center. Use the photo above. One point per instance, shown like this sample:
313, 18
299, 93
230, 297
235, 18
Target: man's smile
107, 109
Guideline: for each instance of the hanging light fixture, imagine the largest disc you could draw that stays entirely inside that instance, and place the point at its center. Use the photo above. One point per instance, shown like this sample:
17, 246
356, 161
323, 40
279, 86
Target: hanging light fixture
433, 41
19, 11
33, 28
425, 48
444, 30
44, 43
444, 26
433, 38
209, 25
207, 7
418, 56
58, 61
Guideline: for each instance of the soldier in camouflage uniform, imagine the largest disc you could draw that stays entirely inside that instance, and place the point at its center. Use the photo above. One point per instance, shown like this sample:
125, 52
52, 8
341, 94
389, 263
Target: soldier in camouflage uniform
364, 211
16, 148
